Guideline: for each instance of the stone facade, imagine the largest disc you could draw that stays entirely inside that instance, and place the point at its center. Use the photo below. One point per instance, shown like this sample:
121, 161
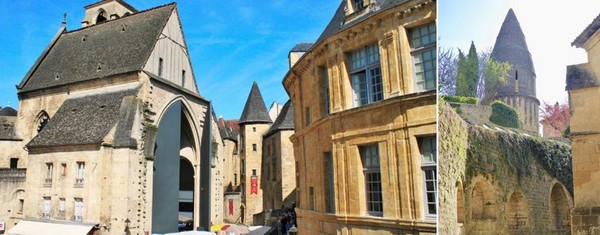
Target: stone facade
584, 89
96, 158
279, 173
365, 149
484, 190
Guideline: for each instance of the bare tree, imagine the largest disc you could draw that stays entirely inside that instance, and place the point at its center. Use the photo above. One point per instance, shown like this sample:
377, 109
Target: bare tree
447, 67
483, 57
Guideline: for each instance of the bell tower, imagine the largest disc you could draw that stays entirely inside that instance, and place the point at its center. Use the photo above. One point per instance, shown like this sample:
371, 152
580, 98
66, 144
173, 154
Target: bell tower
105, 10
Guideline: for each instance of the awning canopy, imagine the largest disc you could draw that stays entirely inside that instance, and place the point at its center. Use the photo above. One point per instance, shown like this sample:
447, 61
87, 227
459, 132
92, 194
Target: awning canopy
30, 227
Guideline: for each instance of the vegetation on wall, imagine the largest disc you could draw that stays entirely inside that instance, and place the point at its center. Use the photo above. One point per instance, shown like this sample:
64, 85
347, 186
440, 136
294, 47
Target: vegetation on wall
520, 152
504, 115
461, 99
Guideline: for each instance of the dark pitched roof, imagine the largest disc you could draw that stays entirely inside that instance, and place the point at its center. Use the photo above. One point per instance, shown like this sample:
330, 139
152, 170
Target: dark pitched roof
8, 111
88, 119
510, 44
255, 110
338, 22
110, 48
587, 32
285, 120
302, 47
228, 129
7, 128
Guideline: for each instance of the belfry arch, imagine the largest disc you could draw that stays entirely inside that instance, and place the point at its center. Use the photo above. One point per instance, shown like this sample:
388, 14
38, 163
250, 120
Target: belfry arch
175, 170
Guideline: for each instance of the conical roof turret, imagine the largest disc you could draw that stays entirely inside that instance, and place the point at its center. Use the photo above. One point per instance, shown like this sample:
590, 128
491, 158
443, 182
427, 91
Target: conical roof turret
511, 47
255, 110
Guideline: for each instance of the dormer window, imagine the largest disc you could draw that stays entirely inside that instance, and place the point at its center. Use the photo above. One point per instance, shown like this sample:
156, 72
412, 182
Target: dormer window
101, 16
358, 5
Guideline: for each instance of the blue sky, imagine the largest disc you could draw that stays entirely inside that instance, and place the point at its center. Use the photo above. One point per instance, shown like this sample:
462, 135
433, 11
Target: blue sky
549, 28
232, 43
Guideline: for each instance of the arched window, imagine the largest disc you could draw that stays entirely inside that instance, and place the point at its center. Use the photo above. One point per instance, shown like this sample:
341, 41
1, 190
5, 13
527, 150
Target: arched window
516, 212
42, 121
101, 16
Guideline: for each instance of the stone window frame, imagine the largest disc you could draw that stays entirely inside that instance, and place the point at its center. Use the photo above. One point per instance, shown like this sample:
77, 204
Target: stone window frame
371, 166
46, 207
329, 182
49, 174
428, 154
78, 209
325, 95
423, 42
364, 71
80, 174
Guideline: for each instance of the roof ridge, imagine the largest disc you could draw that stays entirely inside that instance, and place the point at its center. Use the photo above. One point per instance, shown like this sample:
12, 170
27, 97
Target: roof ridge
124, 17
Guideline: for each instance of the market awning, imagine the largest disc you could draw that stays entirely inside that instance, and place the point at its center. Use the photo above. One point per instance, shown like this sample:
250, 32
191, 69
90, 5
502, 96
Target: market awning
31, 227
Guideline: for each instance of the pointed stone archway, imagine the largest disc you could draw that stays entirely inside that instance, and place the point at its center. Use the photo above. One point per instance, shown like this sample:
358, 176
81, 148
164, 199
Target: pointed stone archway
174, 182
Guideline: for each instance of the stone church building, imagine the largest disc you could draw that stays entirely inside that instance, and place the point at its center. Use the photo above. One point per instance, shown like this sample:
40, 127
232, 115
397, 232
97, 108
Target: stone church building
112, 134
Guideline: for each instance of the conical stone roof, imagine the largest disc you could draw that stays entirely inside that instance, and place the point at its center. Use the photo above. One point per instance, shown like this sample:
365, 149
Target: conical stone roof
255, 110
511, 47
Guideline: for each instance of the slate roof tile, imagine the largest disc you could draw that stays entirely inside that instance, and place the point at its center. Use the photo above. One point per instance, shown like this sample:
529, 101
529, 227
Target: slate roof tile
109, 48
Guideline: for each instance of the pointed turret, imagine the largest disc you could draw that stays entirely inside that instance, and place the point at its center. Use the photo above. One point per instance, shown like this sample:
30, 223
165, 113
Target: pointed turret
255, 110
511, 47
519, 91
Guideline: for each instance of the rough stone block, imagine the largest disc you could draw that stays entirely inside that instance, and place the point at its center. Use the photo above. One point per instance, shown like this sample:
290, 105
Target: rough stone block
590, 220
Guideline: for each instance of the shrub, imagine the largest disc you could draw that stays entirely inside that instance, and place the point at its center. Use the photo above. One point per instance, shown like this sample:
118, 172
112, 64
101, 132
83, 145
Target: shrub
504, 115
461, 99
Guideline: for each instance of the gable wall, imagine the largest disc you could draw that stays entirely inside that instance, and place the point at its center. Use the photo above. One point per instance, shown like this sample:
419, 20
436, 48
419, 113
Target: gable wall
172, 49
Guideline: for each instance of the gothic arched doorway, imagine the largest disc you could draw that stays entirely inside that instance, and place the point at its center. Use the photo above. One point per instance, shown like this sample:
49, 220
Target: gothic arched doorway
174, 178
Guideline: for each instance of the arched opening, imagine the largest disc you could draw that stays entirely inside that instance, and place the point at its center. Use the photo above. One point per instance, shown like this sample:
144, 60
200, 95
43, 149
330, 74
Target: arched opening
173, 207
460, 203
559, 208
41, 121
102, 16
483, 201
186, 195
516, 212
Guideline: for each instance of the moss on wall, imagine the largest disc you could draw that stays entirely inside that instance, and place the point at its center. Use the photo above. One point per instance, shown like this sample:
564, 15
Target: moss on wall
519, 150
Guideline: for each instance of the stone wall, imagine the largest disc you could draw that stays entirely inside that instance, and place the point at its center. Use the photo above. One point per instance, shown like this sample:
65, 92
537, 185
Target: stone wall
509, 182
12, 185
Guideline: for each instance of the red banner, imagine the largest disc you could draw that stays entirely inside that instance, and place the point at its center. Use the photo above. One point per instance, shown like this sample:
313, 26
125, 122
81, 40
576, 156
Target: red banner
254, 185
230, 206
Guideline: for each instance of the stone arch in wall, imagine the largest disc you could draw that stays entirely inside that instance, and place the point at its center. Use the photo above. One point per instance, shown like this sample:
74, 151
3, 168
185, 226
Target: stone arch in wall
560, 208
460, 203
483, 201
102, 16
517, 212
176, 154
41, 121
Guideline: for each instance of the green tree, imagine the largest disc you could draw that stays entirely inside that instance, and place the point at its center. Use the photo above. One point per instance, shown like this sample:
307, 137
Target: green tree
495, 76
467, 75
